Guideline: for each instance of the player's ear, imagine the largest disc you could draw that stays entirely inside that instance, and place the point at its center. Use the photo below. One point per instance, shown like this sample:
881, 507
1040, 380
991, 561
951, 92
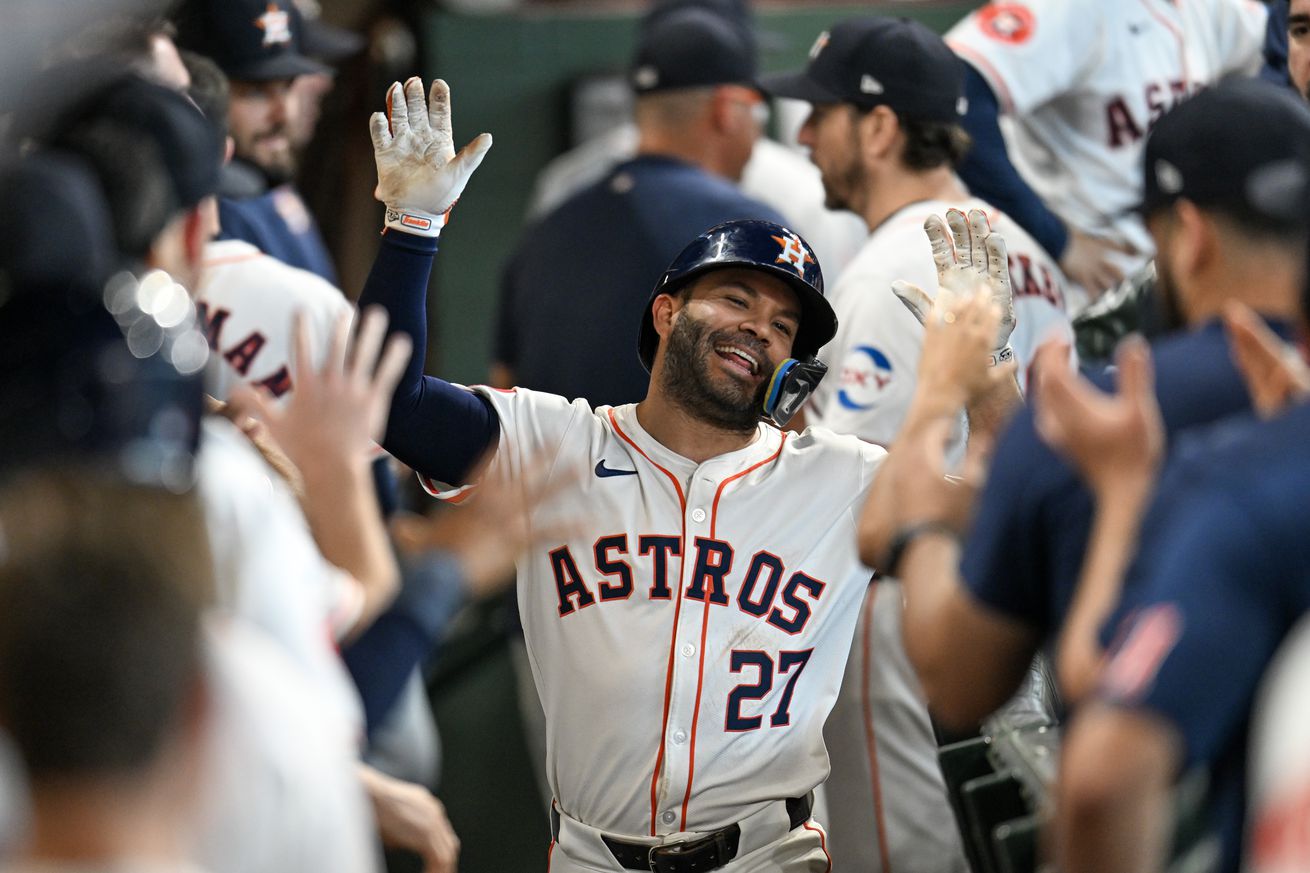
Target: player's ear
663, 309
879, 133
1195, 239
720, 109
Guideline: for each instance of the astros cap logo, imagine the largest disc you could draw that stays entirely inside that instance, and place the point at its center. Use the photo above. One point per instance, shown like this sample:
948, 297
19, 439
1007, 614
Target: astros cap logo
276, 24
1007, 22
819, 45
793, 252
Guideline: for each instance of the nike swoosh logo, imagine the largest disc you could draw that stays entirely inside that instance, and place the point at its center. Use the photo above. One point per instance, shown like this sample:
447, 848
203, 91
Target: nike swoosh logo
604, 472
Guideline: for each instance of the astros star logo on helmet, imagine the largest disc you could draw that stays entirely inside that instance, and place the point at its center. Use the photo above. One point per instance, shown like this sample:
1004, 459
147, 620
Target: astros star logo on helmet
793, 252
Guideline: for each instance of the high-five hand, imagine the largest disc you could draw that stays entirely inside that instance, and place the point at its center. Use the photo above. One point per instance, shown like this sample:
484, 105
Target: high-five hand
420, 176
969, 258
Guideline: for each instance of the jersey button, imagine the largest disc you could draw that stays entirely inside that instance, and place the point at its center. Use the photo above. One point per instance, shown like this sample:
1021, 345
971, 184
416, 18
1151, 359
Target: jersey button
688, 650
698, 514
668, 817
680, 737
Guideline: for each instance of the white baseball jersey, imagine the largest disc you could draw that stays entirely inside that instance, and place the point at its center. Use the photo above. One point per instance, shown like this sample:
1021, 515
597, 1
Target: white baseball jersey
1278, 839
888, 800
1083, 82
281, 790
268, 569
689, 642
875, 354
887, 803
246, 301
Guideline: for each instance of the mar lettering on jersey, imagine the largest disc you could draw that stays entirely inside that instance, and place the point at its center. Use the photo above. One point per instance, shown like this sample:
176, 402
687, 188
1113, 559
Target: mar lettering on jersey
241, 354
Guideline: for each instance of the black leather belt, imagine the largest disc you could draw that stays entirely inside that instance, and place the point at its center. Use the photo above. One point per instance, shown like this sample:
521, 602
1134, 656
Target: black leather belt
709, 852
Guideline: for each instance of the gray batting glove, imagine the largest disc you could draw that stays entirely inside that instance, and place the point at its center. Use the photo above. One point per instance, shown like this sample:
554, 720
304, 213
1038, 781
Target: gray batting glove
419, 174
969, 261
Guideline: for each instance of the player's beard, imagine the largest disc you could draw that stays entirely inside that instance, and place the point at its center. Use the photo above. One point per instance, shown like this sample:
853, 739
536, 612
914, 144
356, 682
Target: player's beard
841, 184
1169, 308
688, 382
278, 165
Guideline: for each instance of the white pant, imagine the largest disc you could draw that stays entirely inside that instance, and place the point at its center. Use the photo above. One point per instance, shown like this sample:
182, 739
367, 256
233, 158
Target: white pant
767, 846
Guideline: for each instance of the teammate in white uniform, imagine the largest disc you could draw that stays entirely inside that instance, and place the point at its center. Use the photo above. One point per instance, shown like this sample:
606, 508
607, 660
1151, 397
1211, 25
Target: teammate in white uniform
687, 645
1081, 85
247, 300
884, 131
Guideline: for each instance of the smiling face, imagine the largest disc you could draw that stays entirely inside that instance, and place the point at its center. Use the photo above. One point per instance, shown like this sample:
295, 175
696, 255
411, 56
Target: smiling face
261, 117
729, 330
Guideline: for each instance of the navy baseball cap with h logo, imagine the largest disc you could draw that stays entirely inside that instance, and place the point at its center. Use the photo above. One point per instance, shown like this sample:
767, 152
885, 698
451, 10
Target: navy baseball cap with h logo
251, 40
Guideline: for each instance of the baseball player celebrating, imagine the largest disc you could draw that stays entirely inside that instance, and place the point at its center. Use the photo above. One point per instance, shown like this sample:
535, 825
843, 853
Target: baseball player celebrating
1080, 85
688, 644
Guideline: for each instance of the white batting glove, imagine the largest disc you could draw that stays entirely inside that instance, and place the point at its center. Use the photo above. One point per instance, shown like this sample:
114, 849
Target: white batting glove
419, 175
971, 259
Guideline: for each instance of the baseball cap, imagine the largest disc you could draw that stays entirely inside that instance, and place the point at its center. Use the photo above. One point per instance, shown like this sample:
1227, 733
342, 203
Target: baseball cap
251, 40
1243, 146
49, 199
879, 61
692, 46
190, 148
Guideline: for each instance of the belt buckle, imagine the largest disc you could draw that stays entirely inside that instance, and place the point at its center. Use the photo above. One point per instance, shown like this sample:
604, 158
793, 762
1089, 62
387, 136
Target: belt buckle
657, 853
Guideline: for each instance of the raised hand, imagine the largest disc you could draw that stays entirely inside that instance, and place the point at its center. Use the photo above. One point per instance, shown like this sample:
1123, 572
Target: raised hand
339, 411
1274, 372
420, 176
968, 257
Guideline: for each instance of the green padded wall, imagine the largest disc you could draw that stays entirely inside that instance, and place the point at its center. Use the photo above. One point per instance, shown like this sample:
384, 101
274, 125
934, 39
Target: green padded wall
510, 75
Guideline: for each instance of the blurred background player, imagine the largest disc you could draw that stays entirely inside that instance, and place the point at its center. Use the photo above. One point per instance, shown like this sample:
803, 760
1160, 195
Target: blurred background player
977, 612
1079, 86
258, 45
583, 270
776, 174
884, 130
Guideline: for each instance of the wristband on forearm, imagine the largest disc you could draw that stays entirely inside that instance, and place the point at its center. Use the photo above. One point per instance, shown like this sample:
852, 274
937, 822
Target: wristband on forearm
1002, 355
416, 221
907, 535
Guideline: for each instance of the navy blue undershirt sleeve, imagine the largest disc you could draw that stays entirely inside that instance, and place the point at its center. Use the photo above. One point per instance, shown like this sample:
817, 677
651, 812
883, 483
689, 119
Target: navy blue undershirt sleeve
991, 176
406, 635
435, 427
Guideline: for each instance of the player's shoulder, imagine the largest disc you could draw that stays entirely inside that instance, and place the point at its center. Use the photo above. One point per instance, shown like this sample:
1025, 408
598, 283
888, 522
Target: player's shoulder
239, 266
1266, 462
1014, 23
896, 245
520, 402
820, 445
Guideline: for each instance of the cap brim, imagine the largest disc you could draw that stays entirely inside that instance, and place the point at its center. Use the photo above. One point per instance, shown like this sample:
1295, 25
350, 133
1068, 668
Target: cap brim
287, 65
328, 42
798, 86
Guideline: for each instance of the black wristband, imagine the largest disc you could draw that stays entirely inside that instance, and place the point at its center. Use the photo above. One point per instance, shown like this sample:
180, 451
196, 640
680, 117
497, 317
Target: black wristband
908, 534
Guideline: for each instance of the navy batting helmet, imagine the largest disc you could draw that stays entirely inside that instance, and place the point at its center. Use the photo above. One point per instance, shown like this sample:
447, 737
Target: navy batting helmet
754, 245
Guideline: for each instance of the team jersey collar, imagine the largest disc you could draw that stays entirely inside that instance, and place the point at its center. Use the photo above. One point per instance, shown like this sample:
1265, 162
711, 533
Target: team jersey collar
766, 442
